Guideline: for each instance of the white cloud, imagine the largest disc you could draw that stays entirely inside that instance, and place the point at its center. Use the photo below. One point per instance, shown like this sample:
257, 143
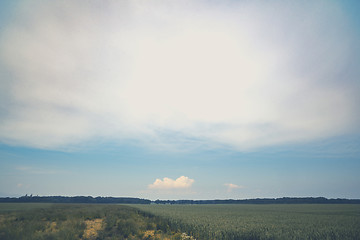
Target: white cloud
231, 186
168, 183
246, 74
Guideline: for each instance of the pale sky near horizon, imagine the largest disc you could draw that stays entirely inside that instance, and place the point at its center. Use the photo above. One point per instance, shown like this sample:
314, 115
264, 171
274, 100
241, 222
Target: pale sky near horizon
180, 99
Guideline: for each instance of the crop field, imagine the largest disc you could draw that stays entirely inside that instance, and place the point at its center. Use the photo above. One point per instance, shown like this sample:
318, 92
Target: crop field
280, 221
80, 221
9, 207
170, 222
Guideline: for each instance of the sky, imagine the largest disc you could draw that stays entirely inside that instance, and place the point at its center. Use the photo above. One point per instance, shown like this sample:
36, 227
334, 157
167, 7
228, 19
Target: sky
201, 99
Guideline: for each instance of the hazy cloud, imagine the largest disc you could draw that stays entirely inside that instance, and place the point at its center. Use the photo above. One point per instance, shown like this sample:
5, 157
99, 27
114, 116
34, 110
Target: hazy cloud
168, 183
39, 171
231, 186
244, 74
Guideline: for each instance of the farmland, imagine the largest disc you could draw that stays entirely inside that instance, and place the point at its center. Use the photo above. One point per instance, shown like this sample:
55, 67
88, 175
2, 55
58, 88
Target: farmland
274, 221
8, 207
80, 221
159, 221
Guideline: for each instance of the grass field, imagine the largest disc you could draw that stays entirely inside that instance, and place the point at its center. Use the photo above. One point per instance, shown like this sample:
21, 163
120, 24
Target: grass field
262, 221
10, 207
80, 221
203, 222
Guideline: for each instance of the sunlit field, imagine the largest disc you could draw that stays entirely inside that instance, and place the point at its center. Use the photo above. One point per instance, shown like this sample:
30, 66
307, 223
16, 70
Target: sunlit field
202, 222
280, 221
81, 221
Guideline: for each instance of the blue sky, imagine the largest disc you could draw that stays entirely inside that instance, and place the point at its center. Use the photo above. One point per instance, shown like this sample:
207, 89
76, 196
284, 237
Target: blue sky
180, 100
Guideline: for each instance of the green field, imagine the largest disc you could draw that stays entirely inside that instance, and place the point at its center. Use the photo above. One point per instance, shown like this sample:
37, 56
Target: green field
280, 221
203, 222
10, 207
80, 221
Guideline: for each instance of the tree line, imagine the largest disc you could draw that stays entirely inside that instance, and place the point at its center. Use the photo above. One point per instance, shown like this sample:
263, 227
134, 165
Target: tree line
76, 199
130, 200
284, 200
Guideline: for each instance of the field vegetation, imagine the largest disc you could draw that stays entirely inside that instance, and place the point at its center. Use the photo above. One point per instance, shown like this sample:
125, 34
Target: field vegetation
10, 207
80, 221
269, 221
159, 221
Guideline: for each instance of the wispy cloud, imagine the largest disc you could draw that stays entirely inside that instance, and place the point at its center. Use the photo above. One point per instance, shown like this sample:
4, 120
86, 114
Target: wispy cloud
231, 186
39, 171
168, 183
242, 74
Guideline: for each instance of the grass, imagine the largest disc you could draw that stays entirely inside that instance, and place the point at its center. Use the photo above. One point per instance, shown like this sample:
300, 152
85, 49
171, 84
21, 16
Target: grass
170, 222
262, 221
10, 207
80, 221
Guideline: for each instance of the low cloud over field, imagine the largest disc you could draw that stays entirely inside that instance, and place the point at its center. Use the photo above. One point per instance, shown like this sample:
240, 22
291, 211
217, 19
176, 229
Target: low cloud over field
231, 186
168, 183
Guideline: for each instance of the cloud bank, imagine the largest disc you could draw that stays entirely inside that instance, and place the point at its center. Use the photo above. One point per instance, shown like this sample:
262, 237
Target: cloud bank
241, 74
168, 183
